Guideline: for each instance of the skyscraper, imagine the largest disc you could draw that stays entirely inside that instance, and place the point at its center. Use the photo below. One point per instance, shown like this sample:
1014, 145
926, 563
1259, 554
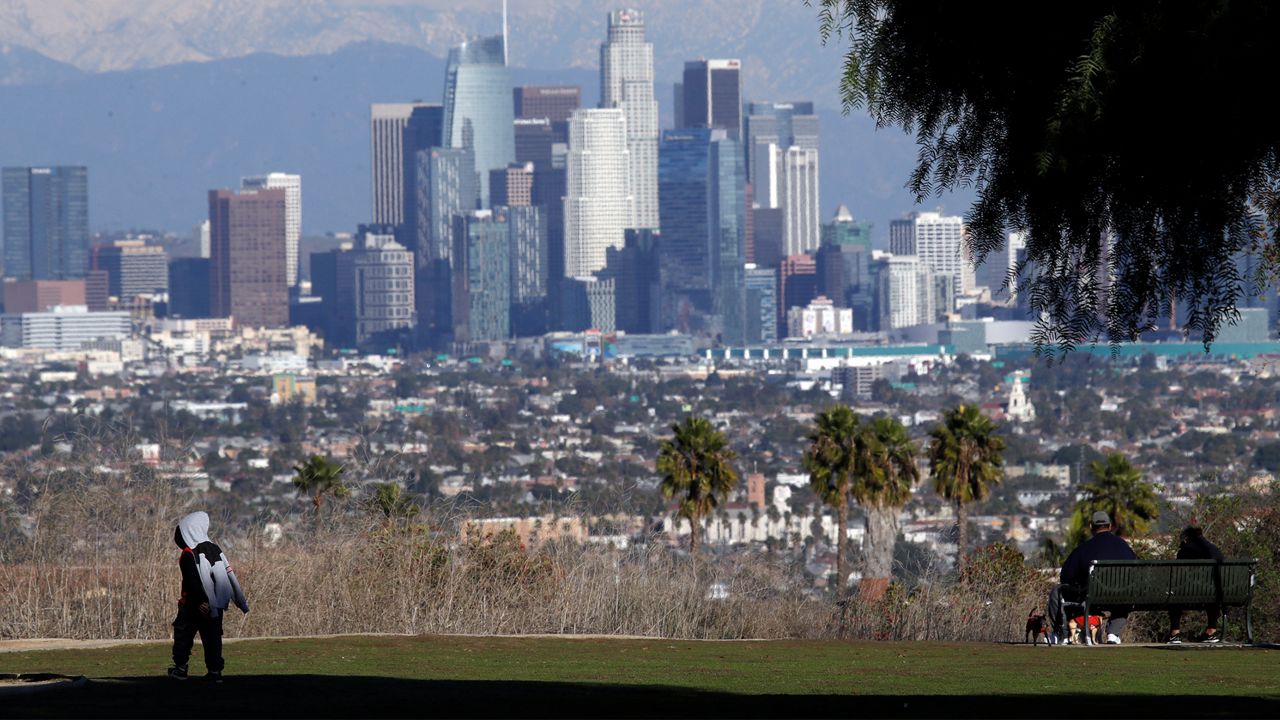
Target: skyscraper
481, 277
292, 186
713, 95
781, 124
626, 82
247, 279
553, 103
761, 306
189, 287
378, 271
133, 268
46, 222
478, 111
512, 186
597, 205
844, 230
700, 176
937, 240
527, 242
636, 274
446, 186
801, 227
397, 132
907, 290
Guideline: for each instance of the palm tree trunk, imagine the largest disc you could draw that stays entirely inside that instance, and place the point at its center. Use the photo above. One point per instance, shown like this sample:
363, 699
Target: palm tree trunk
882, 535
842, 574
693, 537
317, 500
962, 525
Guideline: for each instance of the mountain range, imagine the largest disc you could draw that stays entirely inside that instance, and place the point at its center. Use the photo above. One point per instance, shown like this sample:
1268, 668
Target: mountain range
157, 135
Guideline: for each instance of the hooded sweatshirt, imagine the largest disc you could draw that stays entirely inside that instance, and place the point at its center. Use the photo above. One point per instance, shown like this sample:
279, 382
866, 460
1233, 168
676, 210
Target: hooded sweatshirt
206, 574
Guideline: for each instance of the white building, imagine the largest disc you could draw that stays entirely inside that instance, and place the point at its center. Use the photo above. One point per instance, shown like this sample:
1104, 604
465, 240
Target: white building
938, 241
801, 227
909, 296
292, 186
382, 280
626, 82
597, 206
822, 317
200, 234
63, 328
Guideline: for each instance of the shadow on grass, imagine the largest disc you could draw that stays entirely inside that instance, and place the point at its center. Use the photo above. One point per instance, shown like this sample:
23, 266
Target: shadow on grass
330, 696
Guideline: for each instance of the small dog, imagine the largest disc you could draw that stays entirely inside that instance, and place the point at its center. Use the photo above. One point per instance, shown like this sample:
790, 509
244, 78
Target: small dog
1037, 627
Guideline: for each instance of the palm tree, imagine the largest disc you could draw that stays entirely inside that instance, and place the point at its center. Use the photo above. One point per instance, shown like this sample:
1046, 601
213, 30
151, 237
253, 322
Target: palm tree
394, 504
695, 465
965, 460
1118, 490
837, 453
317, 477
883, 491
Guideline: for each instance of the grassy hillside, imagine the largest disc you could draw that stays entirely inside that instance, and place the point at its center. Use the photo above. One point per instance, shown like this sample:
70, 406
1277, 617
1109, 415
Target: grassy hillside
449, 676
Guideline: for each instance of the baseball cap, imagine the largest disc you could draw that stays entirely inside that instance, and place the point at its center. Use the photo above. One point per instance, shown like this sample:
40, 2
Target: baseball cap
1101, 518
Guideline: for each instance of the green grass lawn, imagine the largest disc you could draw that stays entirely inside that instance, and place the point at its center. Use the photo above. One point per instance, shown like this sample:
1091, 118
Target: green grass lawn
449, 676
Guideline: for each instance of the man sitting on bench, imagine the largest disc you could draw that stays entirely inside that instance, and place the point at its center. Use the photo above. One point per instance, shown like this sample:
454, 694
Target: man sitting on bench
1104, 545
1194, 546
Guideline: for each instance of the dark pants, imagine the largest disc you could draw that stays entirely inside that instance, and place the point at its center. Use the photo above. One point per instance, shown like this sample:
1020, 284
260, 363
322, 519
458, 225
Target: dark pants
1214, 613
1071, 594
185, 627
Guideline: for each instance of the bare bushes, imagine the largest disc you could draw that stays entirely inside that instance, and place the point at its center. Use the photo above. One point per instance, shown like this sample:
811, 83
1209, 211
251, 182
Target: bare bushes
989, 602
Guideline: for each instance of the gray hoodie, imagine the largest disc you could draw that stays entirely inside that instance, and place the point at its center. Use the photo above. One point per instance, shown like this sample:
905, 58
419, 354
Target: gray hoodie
219, 582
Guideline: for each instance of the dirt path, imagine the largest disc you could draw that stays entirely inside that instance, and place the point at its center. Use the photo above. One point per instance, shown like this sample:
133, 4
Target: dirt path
70, 644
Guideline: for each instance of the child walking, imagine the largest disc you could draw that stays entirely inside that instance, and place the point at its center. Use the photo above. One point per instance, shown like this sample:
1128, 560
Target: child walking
208, 586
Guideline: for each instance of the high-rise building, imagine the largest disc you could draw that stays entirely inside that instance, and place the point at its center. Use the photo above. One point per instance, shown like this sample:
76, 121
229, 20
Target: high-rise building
797, 284
597, 205
761, 305
553, 103
937, 240
397, 133
379, 274
292, 186
781, 124
713, 95
844, 230
481, 277
902, 235
46, 222
636, 273
841, 271
247, 279
801, 228
534, 140
446, 187
513, 185
768, 230
189, 287
97, 296
200, 236
478, 111
28, 296
133, 268
626, 82
700, 176
527, 242
908, 293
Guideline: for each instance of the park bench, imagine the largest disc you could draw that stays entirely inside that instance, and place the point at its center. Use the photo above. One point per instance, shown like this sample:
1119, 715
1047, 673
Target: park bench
1164, 584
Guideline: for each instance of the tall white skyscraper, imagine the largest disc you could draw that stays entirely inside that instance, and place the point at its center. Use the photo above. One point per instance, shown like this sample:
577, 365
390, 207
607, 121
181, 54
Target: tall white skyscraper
801, 227
940, 245
200, 234
597, 205
626, 82
292, 186
387, 123
910, 298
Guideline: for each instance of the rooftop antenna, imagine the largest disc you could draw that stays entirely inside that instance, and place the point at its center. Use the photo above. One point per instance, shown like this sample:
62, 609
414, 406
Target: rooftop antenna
504, 33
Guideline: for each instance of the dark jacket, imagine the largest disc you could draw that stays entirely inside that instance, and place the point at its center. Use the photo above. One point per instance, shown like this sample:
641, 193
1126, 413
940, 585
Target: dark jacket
193, 594
1103, 546
1195, 547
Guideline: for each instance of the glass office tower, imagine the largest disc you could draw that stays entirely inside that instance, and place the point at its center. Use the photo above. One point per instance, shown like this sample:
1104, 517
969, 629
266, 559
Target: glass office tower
478, 112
